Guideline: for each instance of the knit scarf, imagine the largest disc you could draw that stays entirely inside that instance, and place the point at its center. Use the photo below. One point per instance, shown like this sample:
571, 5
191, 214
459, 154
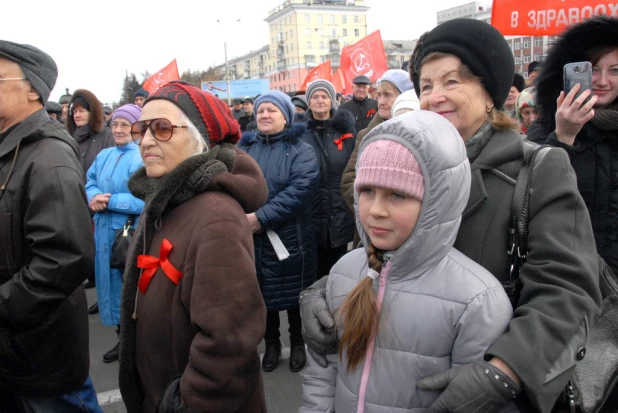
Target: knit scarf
184, 182
606, 119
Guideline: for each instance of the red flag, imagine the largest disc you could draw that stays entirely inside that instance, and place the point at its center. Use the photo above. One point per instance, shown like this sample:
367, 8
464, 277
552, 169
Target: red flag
365, 57
337, 80
544, 17
322, 71
163, 76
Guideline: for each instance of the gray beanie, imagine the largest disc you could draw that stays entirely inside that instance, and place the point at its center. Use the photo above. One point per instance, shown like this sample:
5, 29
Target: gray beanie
324, 85
38, 67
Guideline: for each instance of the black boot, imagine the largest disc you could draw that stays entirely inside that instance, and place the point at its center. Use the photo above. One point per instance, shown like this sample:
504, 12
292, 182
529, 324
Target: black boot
298, 357
94, 308
112, 355
271, 355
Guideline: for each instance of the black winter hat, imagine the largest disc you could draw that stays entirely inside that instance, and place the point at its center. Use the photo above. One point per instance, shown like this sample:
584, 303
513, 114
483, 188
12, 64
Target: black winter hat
519, 82
479, 46
38, 67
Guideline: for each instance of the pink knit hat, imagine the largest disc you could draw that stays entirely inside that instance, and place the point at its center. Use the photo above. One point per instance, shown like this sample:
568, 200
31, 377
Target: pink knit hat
388, 164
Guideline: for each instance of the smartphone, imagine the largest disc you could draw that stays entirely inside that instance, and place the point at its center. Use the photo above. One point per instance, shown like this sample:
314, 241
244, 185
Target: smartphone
578, 72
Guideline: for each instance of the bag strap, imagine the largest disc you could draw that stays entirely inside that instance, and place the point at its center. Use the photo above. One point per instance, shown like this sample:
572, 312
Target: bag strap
518, 228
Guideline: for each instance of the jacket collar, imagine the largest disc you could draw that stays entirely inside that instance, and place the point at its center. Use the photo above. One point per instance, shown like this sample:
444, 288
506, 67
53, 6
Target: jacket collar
502, 147
31, 128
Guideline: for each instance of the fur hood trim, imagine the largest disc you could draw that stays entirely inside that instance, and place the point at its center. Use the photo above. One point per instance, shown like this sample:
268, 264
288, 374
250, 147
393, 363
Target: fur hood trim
293, 134
573, 45
342, 121
97, 115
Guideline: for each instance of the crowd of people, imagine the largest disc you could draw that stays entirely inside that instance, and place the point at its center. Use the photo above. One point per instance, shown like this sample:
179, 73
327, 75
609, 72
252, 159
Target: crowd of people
381, 222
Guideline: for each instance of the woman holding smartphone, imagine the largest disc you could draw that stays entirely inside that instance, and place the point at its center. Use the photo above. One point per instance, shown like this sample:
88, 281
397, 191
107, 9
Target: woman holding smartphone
586, 126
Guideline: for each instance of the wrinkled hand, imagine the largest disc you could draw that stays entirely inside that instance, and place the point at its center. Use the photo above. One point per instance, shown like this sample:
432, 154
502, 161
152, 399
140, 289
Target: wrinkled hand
99, 202
478, 387
319, 329
254, 223
572, 114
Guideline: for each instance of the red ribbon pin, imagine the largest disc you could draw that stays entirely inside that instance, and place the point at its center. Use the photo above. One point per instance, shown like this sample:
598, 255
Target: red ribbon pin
151, 264
339, 142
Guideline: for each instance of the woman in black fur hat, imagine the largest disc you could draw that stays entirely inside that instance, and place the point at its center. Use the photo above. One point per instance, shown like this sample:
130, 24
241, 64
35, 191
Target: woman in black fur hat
587, 132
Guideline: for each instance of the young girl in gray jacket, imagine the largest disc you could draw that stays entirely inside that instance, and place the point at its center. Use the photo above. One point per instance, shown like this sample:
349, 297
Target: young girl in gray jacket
408, 305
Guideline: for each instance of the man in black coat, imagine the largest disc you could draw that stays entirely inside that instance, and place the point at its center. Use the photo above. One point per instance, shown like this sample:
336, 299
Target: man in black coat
244, 121
361, 107
46, 244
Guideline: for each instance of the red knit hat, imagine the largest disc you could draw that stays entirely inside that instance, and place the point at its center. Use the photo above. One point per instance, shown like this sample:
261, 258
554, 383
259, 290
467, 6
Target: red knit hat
208, 113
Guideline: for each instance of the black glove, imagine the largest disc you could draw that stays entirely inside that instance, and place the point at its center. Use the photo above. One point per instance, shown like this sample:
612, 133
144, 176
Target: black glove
476, 387
170, 402
319, 329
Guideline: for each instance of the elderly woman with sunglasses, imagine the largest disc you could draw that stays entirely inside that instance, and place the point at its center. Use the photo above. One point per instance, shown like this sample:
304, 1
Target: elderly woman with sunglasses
192, 312
109, 198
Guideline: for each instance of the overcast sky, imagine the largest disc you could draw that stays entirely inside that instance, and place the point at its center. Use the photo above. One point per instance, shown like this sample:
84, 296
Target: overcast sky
94, 42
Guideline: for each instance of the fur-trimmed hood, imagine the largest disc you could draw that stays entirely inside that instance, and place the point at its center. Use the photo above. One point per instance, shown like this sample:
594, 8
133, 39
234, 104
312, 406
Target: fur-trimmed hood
97, 115
292, 135
573, 45
341, 121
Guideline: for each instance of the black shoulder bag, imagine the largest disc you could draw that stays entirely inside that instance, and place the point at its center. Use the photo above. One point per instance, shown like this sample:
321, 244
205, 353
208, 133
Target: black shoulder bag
596, 375
122, 239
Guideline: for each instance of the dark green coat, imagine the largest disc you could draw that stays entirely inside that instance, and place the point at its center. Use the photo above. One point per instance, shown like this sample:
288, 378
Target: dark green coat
560, 299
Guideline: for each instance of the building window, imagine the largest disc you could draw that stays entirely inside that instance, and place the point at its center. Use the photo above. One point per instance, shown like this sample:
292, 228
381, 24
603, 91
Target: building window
321, 31
307, 32
356, 32
286, 35
332, 18
308, 45
292, 46
527, 59
322, 59
310, 58
355, 19
345, 32
517, 45
319, 18
538, 41
526, 44
518, 60
525, 75
344, 19
346, 44
333, 34
538, 57
307, 18
321, 45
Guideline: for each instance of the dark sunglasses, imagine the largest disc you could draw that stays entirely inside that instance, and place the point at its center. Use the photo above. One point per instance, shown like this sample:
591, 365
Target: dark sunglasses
160, 128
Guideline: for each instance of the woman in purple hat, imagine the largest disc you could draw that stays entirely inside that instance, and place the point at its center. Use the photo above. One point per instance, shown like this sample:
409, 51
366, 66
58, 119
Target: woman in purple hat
114, 207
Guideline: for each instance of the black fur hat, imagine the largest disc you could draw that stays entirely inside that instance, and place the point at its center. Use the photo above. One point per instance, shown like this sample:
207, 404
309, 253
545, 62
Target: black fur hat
479, 46
574, 45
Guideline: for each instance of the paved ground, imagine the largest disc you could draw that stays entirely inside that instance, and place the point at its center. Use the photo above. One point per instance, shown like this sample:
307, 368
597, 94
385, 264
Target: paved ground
283, 388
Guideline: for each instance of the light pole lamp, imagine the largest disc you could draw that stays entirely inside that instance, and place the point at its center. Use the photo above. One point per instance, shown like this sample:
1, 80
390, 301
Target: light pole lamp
227, 71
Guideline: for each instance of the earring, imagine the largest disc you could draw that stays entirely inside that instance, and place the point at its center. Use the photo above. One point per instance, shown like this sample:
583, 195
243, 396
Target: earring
488, 109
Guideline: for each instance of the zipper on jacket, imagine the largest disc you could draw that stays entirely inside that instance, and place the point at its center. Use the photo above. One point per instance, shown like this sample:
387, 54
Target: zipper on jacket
369, 354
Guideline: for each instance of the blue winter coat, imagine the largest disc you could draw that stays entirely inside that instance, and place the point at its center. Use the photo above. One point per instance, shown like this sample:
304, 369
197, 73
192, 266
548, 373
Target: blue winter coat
292, 173
109, 174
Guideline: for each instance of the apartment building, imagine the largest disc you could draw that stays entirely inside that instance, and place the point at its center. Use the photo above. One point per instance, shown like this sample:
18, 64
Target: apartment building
525, 49
251, 65
398, 51
305, 33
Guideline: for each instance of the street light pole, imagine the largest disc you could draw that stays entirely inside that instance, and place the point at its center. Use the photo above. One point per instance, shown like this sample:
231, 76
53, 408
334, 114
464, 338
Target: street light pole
227, 70
227, 76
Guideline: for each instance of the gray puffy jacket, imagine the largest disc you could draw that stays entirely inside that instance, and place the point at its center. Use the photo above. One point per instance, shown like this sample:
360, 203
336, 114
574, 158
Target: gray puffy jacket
440, 309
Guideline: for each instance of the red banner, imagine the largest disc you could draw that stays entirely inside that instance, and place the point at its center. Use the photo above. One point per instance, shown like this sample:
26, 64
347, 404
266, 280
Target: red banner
365, 57
338, 82
545, 17
163, 76
322, 71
